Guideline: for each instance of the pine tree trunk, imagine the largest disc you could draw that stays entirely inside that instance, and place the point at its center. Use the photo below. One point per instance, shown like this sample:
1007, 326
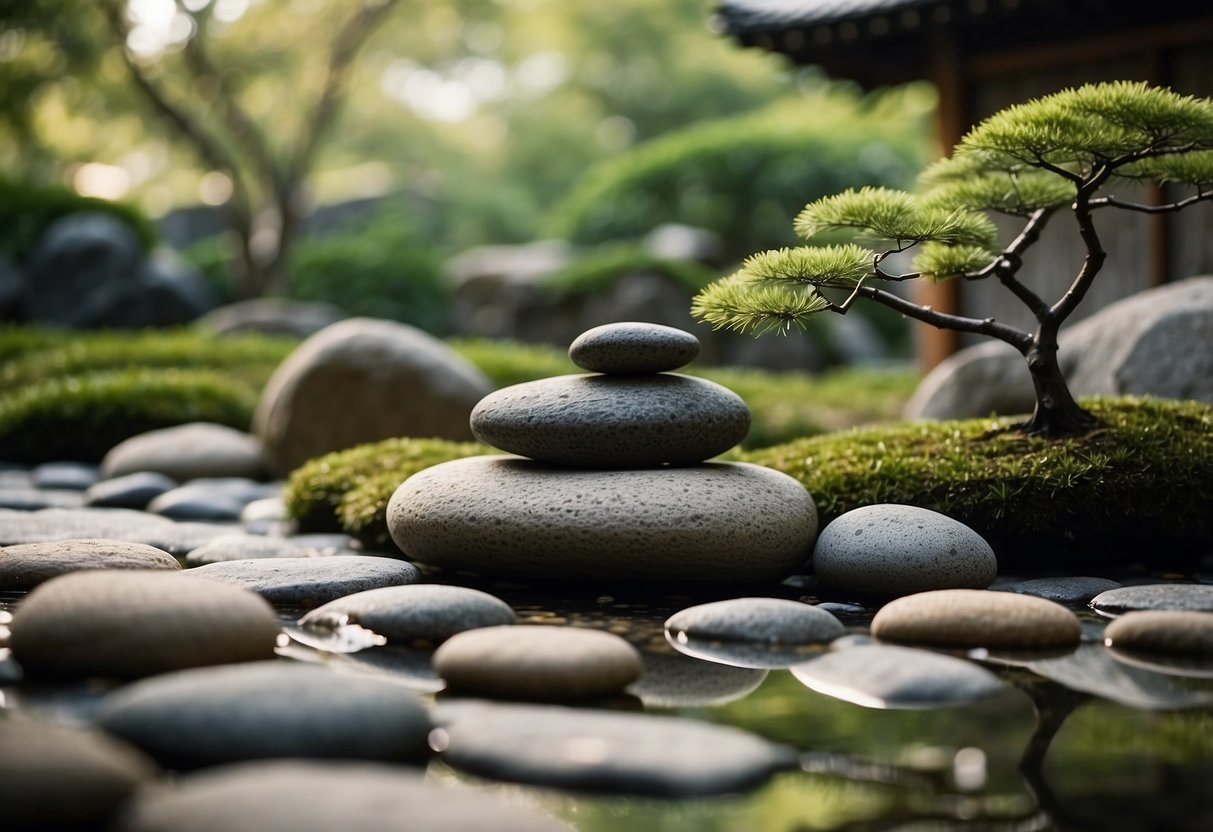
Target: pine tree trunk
1056, 414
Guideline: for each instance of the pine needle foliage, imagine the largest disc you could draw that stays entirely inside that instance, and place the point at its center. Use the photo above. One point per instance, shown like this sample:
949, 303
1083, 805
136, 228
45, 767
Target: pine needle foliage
896, 216
832, 266
936, 261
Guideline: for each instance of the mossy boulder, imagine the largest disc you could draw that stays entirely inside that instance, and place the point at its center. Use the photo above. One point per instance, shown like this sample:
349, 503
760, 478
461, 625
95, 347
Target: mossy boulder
1139, 486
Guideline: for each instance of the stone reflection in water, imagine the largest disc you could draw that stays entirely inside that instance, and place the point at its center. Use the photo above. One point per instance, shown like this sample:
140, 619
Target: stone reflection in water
1091, 669
743, 654
672, 680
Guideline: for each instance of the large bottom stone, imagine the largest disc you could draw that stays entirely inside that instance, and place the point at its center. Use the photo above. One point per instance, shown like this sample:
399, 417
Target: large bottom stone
507, 515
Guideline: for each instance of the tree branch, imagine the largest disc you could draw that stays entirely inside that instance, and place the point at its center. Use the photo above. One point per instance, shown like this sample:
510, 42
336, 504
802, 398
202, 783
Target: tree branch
1090, 266
1022, 341
1012, 260
1113, 202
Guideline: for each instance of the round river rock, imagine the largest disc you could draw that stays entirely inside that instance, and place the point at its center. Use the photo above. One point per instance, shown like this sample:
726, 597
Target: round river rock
774, 620
632, 347
712, 522
129, 624
1190, 597
213, 715
976, 618
889, 549
26, 566
186, 452
550, 664
599, 421
419, 612
308, 582
1163, 631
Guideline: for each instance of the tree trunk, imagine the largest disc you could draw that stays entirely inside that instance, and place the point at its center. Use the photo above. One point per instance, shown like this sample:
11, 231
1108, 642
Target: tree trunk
1056, 414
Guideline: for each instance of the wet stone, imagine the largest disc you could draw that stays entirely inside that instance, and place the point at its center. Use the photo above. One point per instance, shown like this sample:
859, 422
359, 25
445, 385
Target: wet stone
595, 751
1067, 590
673, 680
598, 421
774, 620
976, 618
883, 676
187, 452
52, 777
244, 547
1091, 669
128, 624
890, 550
294, 795
420, 612
309, 582
215, 715
66, 476
632, 347
25, 566
1163, 631
130, 491
211, 499
539, 663
763, 655
1190, 597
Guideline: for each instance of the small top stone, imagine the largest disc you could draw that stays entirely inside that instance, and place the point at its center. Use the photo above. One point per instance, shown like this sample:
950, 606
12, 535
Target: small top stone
633, 347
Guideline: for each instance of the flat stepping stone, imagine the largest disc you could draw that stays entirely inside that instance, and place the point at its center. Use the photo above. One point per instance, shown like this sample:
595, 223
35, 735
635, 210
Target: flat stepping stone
29, 498
1068, 590
672, 680
632, 347
186, 452
547, 664
1190, 597
976, 618
309, 582
129, 491
214, 715
66, 476
599, 421
54, 777
617, 753
25, 566
889, 550
129, 624
296, 795
773, 620
712, 522
245, 547
1163, 631
884, 676
420, 612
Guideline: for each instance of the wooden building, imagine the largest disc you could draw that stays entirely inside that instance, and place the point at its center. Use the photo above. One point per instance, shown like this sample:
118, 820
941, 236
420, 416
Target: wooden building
984, 55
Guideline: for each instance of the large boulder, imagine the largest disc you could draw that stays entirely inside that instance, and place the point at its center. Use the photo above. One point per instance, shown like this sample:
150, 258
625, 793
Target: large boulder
361, 380
1153, 343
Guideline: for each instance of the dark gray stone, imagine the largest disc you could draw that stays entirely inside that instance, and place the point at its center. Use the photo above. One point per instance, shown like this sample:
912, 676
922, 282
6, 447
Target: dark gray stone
239, 546
24, 567
1192, 597
170, 292
881, 676
128, 491
211, 499
186, 452
774, 620
66, 476
633, 347
600, 421
593, 751
215, 715
1065, 590
421, 612
12, 287
309, 582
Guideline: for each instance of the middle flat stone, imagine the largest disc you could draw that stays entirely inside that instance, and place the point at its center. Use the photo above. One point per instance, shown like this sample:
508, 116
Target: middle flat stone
609, 421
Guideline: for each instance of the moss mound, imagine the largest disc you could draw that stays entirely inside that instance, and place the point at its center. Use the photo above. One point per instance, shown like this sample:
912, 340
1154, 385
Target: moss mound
82, 417
1138, 486
349, 490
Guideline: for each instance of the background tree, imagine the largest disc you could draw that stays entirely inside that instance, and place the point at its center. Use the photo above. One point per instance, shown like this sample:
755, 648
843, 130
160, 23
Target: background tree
1061, 153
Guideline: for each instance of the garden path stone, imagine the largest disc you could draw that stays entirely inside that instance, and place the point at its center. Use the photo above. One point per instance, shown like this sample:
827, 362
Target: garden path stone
596, 751
711, 522
419, 612
129, 491
25, 566
219, 499
673, 680
889, 549
53, 777
28, 498
66, 476
240, 546
542, 663
601, 421
129, 624
214, 715
632, 347
884, 676
1164, 631
187, 452
1066, 590
309, 582
362, 380
297, 795
1191, 597
772, 620
976, 618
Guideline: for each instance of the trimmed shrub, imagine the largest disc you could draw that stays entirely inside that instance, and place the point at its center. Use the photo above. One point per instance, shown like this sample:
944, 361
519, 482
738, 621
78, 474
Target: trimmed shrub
1140, 483
26, 211
597, 269
82, 417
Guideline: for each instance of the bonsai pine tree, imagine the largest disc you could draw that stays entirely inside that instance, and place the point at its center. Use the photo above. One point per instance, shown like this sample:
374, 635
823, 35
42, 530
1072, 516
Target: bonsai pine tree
1059, 154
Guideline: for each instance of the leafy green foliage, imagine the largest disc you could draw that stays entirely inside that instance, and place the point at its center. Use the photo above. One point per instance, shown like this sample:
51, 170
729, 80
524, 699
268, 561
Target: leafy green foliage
27, 210
1141, 482
598, 268
884, 214
82, 417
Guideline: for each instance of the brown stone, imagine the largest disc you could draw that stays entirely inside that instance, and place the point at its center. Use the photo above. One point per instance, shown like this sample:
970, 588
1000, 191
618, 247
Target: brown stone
26, 566
976, 618
1163, 631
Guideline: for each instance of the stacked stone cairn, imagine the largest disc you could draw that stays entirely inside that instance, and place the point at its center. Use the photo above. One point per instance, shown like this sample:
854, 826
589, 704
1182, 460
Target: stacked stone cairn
609, 477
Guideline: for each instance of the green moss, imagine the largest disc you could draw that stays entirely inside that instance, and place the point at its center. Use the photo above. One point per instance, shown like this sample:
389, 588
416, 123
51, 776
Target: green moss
82, 417
349, 490
1138, 486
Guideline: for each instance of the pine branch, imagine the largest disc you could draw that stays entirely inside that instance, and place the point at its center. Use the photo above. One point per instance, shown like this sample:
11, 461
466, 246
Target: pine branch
1091, 265
1012, 260
1167, 208
1022, 341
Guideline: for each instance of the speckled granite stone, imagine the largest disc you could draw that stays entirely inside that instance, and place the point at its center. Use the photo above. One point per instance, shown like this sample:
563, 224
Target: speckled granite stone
632, 347
775, 620
1192, 597
26, 566
428, 612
